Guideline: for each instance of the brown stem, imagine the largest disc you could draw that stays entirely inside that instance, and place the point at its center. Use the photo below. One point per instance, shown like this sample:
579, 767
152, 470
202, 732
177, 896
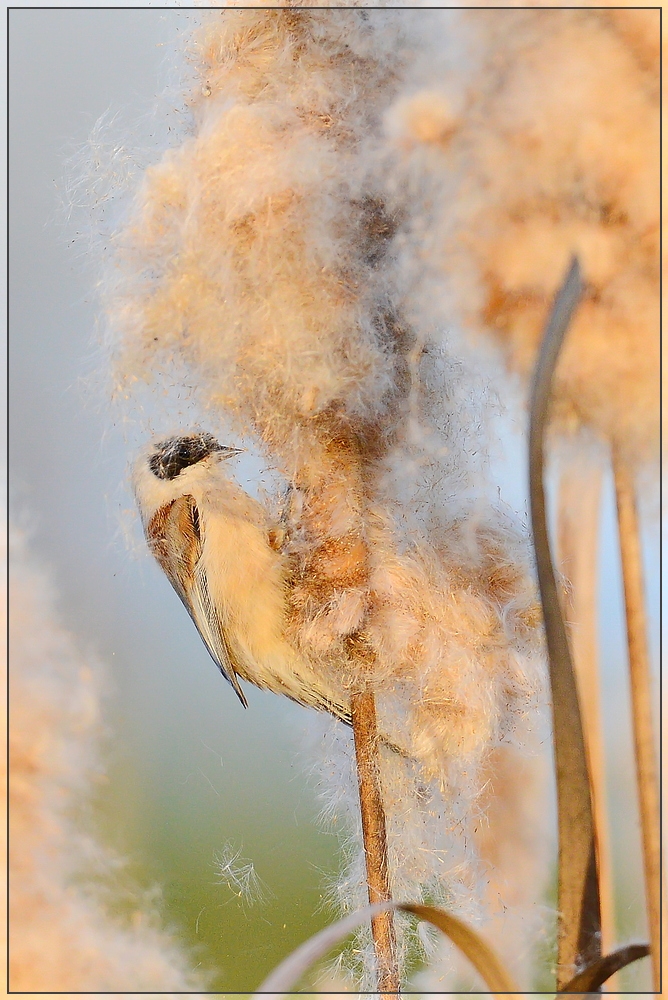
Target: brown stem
333, 517
579, 512
641, 701
579, 934
365, 733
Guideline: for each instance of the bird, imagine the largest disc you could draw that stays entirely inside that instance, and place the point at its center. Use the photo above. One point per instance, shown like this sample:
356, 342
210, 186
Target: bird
222, 555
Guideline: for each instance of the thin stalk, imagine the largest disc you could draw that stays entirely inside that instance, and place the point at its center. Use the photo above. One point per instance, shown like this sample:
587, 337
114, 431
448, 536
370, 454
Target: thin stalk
578, 525
332, 482
641, 701
365, 732
578, 899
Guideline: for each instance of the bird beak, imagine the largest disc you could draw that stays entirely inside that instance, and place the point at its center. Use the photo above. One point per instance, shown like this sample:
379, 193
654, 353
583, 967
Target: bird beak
224, 452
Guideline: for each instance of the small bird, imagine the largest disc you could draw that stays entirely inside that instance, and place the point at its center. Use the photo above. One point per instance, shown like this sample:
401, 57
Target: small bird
222, 556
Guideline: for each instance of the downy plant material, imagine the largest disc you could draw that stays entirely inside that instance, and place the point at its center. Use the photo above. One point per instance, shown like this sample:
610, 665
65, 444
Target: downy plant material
550, 146
260, 267
62, 938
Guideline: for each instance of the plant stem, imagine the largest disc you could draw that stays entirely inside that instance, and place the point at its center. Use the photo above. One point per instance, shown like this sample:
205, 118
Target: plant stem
365, 733
641, 700
333, 487
579, 515
578, 902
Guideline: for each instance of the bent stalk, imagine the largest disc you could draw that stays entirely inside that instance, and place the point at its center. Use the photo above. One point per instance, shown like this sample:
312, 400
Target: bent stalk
579, 936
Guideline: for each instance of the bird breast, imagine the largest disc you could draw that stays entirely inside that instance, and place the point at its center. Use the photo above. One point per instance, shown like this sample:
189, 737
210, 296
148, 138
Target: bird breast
246, 580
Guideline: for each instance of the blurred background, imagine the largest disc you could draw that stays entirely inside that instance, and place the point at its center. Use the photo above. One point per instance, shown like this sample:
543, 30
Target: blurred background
193, 780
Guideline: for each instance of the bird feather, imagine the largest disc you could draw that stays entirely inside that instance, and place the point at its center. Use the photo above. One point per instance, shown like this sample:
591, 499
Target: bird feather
174, 536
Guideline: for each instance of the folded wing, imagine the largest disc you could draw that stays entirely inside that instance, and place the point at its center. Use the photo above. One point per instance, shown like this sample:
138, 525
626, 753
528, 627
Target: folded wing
174, 537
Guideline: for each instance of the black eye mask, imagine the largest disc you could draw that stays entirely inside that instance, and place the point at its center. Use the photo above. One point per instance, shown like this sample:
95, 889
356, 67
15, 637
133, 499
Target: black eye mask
176, 454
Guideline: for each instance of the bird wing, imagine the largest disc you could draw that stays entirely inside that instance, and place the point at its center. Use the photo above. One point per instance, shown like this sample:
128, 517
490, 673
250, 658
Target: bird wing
208, 623
174, 535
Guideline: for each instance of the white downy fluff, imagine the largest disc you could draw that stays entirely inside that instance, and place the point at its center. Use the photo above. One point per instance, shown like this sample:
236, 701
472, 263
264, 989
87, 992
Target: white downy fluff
548, 146
266, 263
63, 936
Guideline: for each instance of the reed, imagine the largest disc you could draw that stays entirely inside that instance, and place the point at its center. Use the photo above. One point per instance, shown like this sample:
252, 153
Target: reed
281, 260
641, 703
581, 966
579, 499
260, 262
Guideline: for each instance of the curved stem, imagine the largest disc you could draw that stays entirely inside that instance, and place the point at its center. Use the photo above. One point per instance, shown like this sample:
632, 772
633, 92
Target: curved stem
578, 896
602, 970
469, 942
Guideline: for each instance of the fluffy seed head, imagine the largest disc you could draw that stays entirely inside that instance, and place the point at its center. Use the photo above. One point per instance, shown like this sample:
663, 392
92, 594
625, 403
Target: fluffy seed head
556, 151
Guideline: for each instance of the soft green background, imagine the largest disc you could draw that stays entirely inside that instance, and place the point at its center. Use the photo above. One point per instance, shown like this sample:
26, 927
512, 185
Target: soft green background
189, 771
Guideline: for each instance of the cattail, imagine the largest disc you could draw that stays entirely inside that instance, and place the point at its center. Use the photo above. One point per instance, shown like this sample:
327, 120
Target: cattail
553, 149
261, 266
62, 938
264, 228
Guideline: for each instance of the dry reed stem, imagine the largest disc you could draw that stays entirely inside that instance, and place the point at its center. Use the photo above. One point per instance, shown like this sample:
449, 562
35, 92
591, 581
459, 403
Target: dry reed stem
365, 733
578, 899
334, 519
578, 515
641, 701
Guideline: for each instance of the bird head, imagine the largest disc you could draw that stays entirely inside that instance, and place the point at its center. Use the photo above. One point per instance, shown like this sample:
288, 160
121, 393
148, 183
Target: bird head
169, 458
171, 467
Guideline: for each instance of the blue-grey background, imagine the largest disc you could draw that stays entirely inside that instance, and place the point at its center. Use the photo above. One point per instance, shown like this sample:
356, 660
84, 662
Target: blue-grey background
189, 771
